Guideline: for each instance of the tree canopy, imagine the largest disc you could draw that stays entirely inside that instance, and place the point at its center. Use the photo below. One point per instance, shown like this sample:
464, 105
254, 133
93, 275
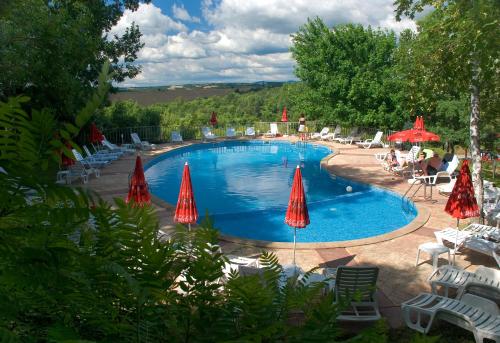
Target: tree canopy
52, 51
351, 69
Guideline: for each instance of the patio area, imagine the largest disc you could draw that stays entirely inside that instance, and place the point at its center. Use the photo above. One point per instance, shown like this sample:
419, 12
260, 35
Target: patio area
399, 279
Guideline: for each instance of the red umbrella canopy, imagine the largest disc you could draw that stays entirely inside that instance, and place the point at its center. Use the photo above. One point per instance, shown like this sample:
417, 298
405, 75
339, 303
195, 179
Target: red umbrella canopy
213, 119
186, 211
462, 202
284, 116
296, 213
415, 135
138, 190
95, 135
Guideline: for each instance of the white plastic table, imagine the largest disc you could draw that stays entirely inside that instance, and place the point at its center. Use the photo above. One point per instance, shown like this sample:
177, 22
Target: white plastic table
433, 249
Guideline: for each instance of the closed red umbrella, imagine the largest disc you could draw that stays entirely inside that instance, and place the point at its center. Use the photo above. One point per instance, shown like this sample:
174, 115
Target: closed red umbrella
297, 215
138, 189
65, 160
284, 117
96, 135
213, 119
462, 202
186, 211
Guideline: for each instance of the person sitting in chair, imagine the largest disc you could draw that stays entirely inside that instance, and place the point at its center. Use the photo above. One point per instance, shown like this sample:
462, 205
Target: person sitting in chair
432, 165
391, 160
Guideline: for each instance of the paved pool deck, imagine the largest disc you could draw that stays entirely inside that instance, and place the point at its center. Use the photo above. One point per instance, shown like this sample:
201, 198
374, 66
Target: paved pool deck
399, 279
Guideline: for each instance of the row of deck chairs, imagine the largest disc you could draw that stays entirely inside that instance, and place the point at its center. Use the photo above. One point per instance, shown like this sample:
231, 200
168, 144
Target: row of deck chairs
92, 162
467, 299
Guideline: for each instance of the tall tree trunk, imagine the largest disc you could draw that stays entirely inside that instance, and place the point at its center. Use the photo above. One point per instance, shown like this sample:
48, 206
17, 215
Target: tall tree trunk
475, 148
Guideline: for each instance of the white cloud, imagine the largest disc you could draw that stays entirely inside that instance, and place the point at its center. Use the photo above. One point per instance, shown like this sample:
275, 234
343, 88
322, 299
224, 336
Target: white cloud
247, 40
150, 20
182, 14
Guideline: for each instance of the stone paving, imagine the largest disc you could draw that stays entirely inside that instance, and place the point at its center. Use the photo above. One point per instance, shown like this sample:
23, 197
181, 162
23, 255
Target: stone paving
399, 279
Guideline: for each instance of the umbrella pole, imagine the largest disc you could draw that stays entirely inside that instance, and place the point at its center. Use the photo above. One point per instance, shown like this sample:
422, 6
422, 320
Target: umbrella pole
189, 227
456, 240
294, 243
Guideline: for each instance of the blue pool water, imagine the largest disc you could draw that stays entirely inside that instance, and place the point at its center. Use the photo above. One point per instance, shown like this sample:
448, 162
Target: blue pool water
245, 186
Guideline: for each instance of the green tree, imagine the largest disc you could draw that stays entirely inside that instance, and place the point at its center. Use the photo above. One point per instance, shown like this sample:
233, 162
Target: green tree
458, 45
52, 50
351, 69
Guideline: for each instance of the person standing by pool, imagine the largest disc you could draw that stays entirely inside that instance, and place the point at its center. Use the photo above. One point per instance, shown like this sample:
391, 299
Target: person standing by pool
302, 126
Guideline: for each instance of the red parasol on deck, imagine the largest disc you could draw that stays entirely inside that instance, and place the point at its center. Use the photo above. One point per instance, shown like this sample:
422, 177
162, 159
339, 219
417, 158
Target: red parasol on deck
284, 117
297, 215
462, 202
186, 211
213, 119
416, 135
138, 189
96, 135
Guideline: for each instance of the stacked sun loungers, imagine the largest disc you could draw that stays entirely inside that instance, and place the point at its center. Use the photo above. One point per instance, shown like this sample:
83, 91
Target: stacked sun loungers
469, 298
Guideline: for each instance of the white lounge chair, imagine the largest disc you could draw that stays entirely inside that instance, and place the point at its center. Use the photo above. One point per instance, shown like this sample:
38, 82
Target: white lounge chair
333, 135
84, 168
357, 285
448, 277
230, 132
473, 238
138, 143
372, 143
250, 131
89, 161
352, 137
103, 156
176, 137
273, 130
479, 315
322, 134
113, 148
207, 133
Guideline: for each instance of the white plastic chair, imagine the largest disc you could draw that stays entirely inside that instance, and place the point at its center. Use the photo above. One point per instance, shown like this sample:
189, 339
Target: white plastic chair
176, 137
250, 131
87, 168
273, 130
207, 133
230, 132
369, 143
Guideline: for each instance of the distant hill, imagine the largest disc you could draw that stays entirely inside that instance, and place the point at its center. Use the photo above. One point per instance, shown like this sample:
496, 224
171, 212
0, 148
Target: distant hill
145, 96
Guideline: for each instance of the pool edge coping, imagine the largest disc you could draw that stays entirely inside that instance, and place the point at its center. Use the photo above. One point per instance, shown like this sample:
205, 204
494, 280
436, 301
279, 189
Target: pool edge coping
419, 221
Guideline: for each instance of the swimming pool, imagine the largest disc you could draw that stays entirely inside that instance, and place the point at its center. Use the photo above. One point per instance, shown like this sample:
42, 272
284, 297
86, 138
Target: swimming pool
245, 186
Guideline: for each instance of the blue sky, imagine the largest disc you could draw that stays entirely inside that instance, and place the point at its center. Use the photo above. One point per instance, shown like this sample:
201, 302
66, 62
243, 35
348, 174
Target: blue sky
235, 40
